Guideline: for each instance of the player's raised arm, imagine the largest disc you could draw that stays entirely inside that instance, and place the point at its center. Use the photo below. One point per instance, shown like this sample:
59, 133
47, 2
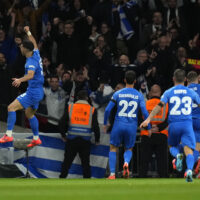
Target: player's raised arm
154, 112
30, 36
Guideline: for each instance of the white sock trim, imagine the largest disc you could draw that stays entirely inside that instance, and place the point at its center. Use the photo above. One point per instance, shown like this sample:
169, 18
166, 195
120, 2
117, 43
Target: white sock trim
9, 133
35, 137
179, 155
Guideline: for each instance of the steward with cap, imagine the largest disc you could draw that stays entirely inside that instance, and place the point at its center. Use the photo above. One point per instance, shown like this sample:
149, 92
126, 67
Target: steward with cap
79, 121
157, 143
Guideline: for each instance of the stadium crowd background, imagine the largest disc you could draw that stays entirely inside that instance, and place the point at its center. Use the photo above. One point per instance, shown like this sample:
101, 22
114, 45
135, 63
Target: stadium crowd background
90, 44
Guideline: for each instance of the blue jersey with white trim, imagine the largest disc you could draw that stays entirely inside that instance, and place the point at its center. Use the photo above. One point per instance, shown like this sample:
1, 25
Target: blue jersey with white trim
128, 101
180, 100
34, 63
195, 107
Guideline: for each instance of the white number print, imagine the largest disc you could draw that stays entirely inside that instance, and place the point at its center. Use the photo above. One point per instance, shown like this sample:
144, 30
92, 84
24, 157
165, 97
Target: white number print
125, 105
187, 101
41, 66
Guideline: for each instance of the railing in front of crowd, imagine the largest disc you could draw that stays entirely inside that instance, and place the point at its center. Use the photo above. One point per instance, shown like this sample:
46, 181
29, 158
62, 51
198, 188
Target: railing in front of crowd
135, 162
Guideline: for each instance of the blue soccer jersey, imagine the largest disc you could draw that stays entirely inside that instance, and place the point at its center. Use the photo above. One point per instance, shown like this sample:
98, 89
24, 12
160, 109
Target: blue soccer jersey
128, 101
180, 100
34, 93
195, 107
34, 63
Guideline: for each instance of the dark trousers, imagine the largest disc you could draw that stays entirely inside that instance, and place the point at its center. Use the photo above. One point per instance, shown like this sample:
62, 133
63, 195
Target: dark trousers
51, 128
157, 143
82, 147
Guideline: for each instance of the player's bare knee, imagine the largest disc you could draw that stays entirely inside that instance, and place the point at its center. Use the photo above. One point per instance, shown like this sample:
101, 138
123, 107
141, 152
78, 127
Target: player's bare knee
197, 146
113, 148
11, 108
29, 114
188, 150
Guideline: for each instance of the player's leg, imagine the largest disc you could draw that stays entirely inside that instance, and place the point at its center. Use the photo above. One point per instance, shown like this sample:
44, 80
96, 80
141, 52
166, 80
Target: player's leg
196, 127
12, 108
127, 159
197, 158
175, 147
112, 161
129, 134
115, 141
189, 163
30, 114
189, 143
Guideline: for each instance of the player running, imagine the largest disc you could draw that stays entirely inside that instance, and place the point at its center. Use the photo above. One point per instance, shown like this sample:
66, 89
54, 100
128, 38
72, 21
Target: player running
192, 78
31, 98
180, 99
128, 101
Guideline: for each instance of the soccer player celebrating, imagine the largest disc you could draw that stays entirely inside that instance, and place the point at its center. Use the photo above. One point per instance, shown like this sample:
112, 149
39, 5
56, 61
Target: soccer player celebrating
31, 98
128, 100
179, 99
192, 79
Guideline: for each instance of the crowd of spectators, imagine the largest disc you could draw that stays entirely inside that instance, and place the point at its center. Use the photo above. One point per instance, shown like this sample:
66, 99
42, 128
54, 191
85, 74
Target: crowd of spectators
89, 44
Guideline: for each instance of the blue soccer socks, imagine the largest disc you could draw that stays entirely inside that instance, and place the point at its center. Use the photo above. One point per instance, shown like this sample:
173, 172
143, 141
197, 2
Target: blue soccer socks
196, 155
127, 156
112, 161
190, 161
34, 126
10, 122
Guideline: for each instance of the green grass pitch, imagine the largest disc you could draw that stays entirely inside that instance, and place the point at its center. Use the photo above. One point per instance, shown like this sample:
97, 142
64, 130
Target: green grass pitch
101, 189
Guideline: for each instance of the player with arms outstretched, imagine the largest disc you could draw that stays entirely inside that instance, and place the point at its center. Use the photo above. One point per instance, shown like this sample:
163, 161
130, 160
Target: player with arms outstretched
128, 101
179, 99
34, 94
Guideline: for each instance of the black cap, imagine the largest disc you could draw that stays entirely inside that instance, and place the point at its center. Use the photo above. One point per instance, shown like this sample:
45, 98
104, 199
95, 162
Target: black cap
82, 95
28, 45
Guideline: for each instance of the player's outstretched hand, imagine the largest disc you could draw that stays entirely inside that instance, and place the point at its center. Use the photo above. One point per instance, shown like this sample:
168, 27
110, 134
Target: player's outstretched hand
26, 29
16, 82
145, 123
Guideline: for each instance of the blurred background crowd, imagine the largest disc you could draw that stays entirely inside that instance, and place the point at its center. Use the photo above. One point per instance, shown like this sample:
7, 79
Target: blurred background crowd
89, 44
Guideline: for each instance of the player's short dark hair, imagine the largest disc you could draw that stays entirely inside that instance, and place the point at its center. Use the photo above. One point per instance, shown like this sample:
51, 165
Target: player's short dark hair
192, 76
130, 77
179, 75
82, 95
28, 45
